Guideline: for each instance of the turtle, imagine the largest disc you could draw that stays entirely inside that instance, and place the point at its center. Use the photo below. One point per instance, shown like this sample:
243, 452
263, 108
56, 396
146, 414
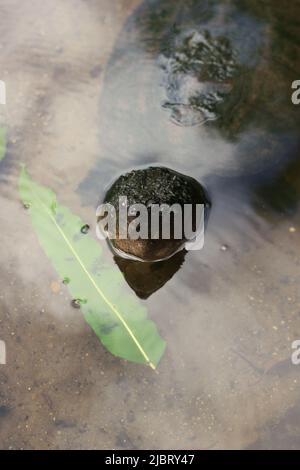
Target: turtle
202, 87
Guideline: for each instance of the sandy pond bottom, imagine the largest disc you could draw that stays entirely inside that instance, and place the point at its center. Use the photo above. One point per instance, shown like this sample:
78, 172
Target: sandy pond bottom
229, 316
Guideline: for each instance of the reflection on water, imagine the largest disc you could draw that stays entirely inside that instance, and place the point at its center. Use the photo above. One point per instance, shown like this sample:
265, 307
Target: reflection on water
228, 316
147, 278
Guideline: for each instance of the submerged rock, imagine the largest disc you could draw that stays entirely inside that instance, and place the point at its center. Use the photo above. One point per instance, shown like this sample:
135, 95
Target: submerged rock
160, 188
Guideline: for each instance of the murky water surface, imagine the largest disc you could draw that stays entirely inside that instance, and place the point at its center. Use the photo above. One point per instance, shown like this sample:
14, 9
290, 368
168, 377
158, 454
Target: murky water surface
98, 87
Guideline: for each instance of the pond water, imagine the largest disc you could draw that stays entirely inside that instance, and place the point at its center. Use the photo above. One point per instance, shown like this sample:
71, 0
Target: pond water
98, 87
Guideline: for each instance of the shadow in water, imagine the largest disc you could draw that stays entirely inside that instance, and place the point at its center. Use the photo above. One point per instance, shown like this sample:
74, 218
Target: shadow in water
147, 278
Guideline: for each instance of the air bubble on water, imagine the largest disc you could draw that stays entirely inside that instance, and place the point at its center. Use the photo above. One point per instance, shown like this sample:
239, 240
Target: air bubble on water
26, 205
76, 303
85, 229
224, 248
